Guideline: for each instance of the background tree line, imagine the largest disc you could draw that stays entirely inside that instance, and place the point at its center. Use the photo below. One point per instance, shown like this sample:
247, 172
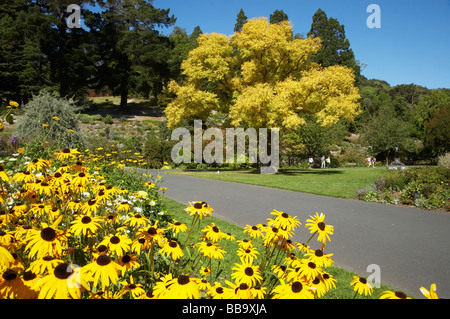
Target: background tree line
120, 51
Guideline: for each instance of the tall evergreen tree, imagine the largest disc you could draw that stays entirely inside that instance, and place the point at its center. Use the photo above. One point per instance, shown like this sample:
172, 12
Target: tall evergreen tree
240, 20
277, 16
131, 43
335, 46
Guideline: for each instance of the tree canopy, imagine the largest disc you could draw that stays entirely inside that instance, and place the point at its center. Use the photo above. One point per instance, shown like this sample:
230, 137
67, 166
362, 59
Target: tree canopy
262, 77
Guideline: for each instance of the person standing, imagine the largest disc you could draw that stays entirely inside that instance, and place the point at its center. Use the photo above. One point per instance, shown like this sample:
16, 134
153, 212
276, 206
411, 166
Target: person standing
374, 161
369, 161
322, 164
328, 160
311, 161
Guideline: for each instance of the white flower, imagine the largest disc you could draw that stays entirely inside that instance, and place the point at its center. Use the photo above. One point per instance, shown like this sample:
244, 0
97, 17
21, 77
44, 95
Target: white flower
138, 209
161, 213
152, 203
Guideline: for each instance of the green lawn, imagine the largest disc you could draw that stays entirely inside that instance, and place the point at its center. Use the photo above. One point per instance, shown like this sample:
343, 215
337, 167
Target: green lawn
336, 182
343, 277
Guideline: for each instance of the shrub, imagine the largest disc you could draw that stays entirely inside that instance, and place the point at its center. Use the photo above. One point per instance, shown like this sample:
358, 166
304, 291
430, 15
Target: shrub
49, 118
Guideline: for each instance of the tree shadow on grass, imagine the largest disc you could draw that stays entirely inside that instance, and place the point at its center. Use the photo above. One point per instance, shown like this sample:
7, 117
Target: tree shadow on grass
298, 171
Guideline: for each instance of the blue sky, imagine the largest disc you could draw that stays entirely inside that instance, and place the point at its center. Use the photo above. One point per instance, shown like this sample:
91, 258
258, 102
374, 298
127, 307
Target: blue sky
412, 45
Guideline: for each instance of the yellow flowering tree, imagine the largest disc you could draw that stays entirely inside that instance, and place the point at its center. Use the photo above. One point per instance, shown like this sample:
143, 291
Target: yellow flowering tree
261, 77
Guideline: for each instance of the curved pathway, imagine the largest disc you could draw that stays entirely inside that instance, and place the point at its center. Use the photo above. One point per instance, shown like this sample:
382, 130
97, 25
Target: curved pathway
411, 246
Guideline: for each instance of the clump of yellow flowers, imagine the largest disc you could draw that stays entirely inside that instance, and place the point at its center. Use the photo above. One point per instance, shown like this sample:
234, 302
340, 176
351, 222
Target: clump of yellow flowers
66, 232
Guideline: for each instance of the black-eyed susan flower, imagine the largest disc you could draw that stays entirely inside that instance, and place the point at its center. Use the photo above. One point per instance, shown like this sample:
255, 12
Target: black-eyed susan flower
45, 264
249, 254
24, 176
200, 209
66, 153
245, 243
11, 285
328, 280
38, 165
247, 273
123, 206
172, 248
86, 225
184, 287
213, 233
154, 234
65, 282
319, 258
316, 225
128, 262
284, 220
91, 206
394, 295
117, 243
292, 290
4, 176
253, 231
81, 179
279, 270
361, 286
429, 294
136, 290
205, 271
162, 286
258, 292
210, 250
217, 291
45, 241
137, 220
177, 226
30, 280
105, 269
238, 291
5, 258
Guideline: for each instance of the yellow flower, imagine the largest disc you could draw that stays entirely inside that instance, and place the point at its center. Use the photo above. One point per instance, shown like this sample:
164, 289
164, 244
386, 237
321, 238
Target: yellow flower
429, 294
316, 224
44, 125
55, 118
361, 286
2, 127
13, 103
394, 295
104, 268
171, 248
20, 150
246, 273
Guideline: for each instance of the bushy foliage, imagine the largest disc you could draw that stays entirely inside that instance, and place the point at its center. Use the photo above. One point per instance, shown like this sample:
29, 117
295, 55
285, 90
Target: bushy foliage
425, 187
49, 118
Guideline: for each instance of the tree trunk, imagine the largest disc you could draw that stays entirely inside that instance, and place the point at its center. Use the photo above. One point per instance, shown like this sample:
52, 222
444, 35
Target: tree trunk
124, 98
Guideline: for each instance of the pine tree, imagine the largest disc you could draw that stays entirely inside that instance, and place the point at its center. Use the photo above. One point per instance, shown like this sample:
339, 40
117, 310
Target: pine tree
240, 21
277, 16
335, 46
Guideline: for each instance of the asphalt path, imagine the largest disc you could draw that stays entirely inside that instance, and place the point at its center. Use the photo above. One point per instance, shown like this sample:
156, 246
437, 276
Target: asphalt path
407, 247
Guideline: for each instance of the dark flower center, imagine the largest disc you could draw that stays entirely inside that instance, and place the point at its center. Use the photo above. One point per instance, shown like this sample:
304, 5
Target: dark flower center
363, 280
86, 220
101, 248
137, 216
103, 260
321, 225
173, 244
318, 253
9, 274
28, 275
126, 259
183, 280
296, 287
285, 215
114, 240
63, 271
198, 205
215, 229
177, 224
92, 202
249, 271
243, 286
66, 150
219, 290
152, 231
48, 234
311, 265
81, 174
48, 258
400, 294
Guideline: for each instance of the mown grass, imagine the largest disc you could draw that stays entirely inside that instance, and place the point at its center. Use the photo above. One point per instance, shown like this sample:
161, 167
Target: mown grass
335, 182
343, 277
